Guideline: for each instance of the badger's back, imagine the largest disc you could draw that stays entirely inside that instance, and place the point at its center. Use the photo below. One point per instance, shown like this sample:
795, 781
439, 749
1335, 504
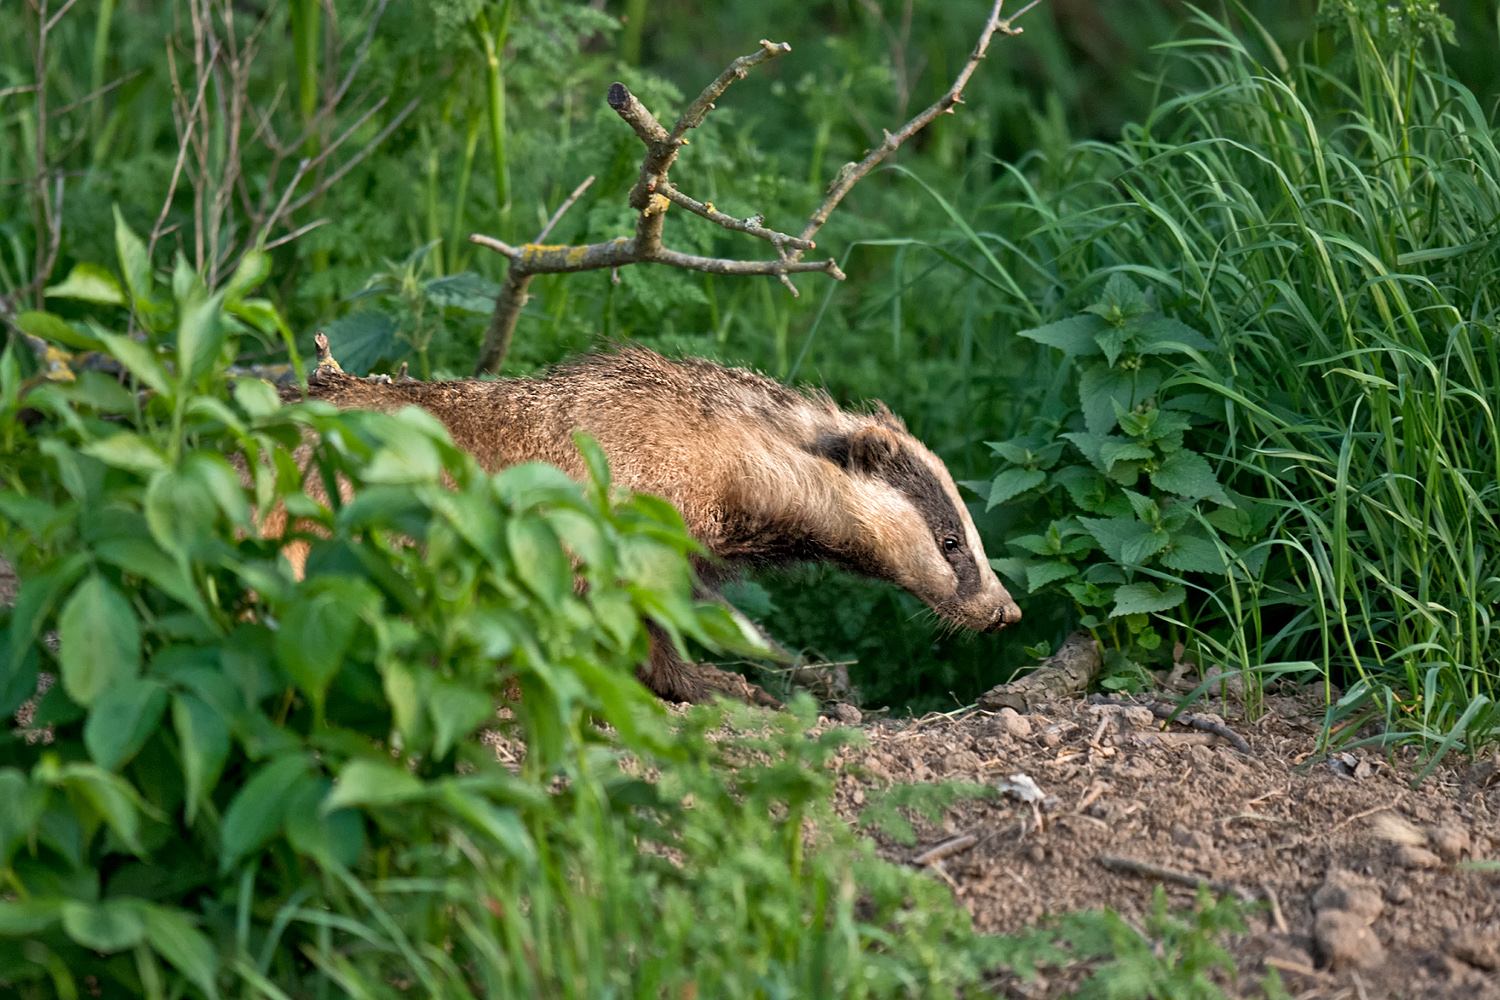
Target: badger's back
724, 445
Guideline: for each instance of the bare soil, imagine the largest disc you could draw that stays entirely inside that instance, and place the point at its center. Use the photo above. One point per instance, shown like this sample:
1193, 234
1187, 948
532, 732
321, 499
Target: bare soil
1363, 887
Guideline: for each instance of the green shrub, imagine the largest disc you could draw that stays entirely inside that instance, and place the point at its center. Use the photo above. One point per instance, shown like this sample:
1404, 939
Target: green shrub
247, 783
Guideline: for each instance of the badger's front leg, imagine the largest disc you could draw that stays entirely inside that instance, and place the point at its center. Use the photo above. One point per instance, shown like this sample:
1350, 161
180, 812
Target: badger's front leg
669, 676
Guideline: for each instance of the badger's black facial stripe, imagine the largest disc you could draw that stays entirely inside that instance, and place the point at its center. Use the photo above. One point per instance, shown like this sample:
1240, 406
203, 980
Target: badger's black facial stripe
911, 476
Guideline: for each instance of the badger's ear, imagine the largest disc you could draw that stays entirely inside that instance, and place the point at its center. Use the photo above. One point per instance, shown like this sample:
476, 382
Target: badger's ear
873, 448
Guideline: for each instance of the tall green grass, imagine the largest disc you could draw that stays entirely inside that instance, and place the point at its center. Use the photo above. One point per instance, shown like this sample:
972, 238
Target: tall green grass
1330, 218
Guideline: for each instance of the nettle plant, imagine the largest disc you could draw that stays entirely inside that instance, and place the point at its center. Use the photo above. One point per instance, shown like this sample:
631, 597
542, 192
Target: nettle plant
1118, 509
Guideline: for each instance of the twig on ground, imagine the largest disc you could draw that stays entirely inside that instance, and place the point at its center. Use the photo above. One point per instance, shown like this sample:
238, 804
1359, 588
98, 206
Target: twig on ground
1166, 711
653, 193
1129, 866
946, 849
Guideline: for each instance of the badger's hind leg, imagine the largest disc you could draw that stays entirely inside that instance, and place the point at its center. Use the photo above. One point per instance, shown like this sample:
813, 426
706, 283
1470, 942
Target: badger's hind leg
671, 677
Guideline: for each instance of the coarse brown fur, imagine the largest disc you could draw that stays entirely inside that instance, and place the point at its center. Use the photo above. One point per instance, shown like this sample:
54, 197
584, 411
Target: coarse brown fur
762, 474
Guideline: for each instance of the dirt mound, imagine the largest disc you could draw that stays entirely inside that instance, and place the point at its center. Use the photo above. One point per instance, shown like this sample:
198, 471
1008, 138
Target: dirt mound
1365, 887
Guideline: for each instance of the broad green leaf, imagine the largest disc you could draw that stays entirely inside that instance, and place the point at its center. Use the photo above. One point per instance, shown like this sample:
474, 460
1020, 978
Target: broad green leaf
1101, 387
181, 513
109, 926
1074, 335
23, 805
257, 811
26, 918
257, 397
222, 483
1232, 521
139, 359
1165, 335
502, 823
531, 483
1114, 533
361, 339
173, 936
1012, 483
336, 838
1042, 545
101, 640
1086, 488
409, 456
112, 797
1038, 575
1190, 554
539, 559
1113, 450
1188, 474
203, 741
1144, 546
252, 269
370, 784
134, 263
126, 451
456, 712
1112, 341
465, 290
48, 326
122, 718
1120, 300
1146, 598
144, 558
259, 313
1010, 451
200, 334
1011, 568
317, 627
89, 283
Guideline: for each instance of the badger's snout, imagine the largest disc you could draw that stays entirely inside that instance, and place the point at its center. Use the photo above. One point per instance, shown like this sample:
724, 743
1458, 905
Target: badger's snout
1007, 614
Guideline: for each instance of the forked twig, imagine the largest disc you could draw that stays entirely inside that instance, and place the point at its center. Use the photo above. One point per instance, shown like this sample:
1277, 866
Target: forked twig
653, 193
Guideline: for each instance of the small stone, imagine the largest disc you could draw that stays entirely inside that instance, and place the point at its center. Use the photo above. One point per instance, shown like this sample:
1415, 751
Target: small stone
1014, 723
1398, 893
1346, 940
1479, 948
1036, 854
1139, 717
1450, 840
1416, 857
1050, 739
846, 715
1344, 891
962, 762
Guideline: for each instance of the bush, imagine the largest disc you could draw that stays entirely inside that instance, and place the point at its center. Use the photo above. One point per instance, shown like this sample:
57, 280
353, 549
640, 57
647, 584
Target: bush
243, 782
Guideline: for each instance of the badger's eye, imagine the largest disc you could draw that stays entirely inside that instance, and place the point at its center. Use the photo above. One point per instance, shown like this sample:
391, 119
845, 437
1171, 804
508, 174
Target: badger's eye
950, 544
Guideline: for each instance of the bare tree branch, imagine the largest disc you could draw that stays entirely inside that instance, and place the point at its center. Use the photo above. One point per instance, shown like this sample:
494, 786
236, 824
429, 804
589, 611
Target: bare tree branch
852, 173
653, 194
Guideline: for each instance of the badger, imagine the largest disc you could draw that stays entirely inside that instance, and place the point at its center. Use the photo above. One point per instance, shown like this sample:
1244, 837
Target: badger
763, 474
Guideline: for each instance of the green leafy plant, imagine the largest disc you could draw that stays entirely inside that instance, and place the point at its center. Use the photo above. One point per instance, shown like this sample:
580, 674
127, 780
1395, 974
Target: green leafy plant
1128, 507
245, 782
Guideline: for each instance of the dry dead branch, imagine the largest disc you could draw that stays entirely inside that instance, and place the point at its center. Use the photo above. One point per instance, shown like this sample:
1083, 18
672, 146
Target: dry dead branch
653, 193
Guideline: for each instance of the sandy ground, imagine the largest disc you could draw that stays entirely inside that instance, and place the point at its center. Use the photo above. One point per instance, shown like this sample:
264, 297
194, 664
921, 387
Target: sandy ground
1362, 886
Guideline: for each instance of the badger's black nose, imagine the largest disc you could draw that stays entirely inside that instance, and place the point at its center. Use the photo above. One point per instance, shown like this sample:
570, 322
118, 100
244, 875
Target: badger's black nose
1009, 614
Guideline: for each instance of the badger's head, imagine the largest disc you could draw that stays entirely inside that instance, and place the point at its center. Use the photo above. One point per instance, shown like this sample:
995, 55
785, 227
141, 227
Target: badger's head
905, 522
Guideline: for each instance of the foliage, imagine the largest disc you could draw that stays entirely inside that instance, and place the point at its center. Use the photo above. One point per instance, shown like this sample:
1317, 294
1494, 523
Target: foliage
1126, 522
246, 782
1337, 254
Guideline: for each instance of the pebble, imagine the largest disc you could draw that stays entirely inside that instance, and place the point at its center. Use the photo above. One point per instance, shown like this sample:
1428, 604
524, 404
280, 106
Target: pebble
846, 715
1450, 840
1409, 856
1014, 723
1398, 893
1346, 940
1343, 891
